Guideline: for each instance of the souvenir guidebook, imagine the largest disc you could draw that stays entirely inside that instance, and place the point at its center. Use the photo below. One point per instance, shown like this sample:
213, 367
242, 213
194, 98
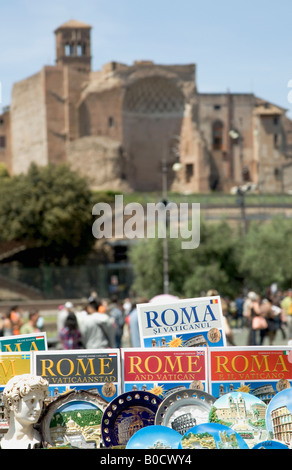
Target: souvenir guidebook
27, 342
12, 364
96, 370
183, 323
163, 369
257, 370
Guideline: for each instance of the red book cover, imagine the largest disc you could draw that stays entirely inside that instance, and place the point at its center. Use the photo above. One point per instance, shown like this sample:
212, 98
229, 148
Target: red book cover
161, 369
258, 370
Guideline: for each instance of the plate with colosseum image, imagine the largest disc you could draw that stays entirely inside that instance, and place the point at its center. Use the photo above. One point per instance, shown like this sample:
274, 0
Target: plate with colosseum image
279, 417
74, 420
184, 409
242, 412
212, 436
126, 414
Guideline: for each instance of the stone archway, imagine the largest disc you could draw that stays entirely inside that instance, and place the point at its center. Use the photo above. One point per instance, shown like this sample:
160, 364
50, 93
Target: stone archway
153, 110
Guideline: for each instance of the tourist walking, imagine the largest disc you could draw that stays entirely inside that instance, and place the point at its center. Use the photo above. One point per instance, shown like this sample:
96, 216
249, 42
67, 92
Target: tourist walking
6, 325
286, 304
31, 326
16, 319
98, 329
70, 335
116, 312
63, 312
258, 322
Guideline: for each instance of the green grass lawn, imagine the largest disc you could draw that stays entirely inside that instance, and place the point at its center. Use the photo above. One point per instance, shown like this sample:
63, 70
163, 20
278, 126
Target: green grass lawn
50, 325
212, 199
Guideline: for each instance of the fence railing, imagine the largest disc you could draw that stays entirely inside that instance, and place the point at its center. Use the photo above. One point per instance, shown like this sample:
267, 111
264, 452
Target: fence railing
50, 282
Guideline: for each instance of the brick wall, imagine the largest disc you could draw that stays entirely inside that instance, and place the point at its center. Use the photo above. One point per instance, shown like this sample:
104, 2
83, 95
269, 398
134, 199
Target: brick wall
100, 160
5, 140
55, 102
100, 113
28, 123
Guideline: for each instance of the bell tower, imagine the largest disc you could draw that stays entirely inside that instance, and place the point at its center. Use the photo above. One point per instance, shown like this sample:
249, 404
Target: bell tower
73, 45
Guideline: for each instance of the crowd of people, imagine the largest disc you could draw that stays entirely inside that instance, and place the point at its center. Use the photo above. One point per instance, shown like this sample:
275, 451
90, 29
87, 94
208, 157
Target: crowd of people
13, 322
98, 325
103, 323
262, 315
261, 318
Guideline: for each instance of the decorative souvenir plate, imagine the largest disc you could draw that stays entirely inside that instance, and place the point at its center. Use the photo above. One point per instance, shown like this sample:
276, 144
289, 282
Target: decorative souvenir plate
74, 420
212, 436
243, 413
270, 445
155, 437
279, 416
126, 414
184, 409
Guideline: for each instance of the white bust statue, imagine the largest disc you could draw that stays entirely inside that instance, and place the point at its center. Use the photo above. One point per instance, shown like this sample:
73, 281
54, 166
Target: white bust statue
23, 399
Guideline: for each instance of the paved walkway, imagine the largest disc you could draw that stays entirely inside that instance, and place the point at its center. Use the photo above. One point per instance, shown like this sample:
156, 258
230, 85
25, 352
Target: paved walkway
240, 336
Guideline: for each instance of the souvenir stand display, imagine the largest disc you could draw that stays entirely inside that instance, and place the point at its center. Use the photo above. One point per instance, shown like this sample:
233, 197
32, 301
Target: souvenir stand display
126, 414
184, 388
74, 419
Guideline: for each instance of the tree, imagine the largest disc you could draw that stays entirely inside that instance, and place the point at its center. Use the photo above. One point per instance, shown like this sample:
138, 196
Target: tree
266, 256
215, 262
4, 173
147, 259
49, 210
213, 265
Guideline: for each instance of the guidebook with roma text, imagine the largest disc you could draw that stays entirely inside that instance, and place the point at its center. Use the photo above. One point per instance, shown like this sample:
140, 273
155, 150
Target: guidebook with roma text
193, 322
261, 371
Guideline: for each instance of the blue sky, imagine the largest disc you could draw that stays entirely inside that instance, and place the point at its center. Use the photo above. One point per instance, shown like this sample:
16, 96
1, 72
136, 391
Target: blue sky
240, 46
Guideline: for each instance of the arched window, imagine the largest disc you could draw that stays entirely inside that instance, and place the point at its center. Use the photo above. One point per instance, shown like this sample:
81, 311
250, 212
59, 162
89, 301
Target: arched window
2, 141
217, 135
79, 50
69, 49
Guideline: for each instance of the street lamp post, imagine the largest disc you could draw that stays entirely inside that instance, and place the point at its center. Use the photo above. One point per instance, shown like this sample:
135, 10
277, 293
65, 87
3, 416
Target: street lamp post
241, 190
175, 167
241, 201
165, 238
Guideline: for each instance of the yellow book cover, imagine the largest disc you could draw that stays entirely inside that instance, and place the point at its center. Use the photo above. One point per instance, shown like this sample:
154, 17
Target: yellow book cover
12, 364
